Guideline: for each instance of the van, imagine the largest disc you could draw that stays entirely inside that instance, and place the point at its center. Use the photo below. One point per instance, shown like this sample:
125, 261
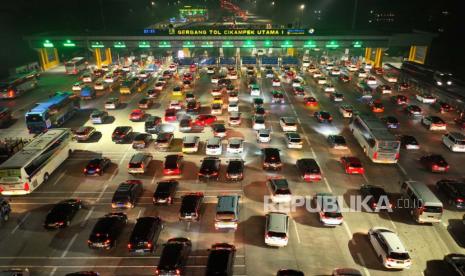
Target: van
227, 212
276, 229
389, 248
139, 162
424, 206
455, 141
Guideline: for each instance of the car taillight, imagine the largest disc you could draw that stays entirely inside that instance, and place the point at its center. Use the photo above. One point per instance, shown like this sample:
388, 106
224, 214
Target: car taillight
107, 241
389, 260
85, 170
26, 187
129, 246
149, 245
435, 167
178, 272
397, 156
459, 200
375, 155
97, 170
373, 205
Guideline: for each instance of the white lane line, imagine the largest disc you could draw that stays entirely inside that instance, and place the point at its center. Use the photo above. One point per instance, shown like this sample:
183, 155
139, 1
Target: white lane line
327, 184
362, 262
53, 271
391, 221
366, 178
69, 245
444, 224
84, 222
140, 213
102, 192
124, 156
347, 229
313, 151
403, 170
296, 231
58, 179
20, 223
114, 174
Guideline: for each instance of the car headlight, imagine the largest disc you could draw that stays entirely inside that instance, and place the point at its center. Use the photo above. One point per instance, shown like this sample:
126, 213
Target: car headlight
439, 82
449, 82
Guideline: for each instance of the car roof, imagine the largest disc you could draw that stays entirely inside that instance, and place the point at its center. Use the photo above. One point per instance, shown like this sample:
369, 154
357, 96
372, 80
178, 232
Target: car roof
393, 241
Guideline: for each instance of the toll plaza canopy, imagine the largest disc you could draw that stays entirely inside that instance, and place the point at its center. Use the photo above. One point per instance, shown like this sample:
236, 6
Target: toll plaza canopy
221, 37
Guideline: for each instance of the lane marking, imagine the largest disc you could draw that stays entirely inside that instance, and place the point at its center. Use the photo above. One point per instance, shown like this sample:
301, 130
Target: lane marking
140, 213
347, 229
366, 178
391, 221
311, 148
103, 191
58, 179
20, 223
69, 245
362, 262
53, 271
403, 170
296, 231
84, 222
327, 184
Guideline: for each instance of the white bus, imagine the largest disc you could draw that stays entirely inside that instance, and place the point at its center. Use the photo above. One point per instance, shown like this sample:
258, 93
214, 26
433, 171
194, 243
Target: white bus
75, 65
16, 85
32, 165
377, 142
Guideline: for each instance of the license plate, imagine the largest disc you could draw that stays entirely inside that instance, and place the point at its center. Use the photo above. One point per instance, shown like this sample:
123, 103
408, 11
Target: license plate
140, 251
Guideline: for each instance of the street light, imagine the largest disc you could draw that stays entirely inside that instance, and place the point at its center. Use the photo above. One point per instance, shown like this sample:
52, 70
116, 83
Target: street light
302, 7
272, 3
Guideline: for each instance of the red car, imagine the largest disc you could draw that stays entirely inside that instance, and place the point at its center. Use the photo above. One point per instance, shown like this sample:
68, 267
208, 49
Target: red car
187, 76
290, 74
400, 99
204, 120
170, 115
310, 101
193, 68
137, 115
434, 163
352, 165
377, 107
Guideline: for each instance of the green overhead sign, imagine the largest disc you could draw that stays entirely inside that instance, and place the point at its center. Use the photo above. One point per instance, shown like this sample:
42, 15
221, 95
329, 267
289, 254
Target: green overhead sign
48, 44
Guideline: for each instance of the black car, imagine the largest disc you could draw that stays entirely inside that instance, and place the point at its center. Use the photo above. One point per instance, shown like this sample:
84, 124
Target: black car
337, 141
221, 260
5, 209
409, 142
127, 194
391, 122
323, 117
257, 102
210, 168
173, 164
152, 93
141, 141
235, 170
456, 262
190, 207
174, 257
97, 166
219, 130
193, 107
84, 273
379, 198
62, 213
289, 272
454, 191
145, 234
271, 159
165, 192
151, 124
121, 134
260, 111
106, 231
224, 82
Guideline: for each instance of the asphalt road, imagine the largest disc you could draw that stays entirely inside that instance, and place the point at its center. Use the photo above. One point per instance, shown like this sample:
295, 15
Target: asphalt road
312, 248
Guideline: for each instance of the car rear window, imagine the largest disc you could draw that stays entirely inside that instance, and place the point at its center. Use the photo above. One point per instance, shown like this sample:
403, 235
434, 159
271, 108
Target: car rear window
399, 256
432, 209
135, 165
277, 234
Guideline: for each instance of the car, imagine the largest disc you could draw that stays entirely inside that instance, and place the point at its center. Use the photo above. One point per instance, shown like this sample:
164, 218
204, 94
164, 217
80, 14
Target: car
152, 94
177, 91
145, 103
298, 91
204, 120
329, 212
214, 146
111, 78
107, 230
210, 70
275, 82
99, 116
277, 97
190, 144
235, 170
434, 163
323, 116
173, 164
344, 78
321, 80
346, 110
187, 76
371, 80
175, 104
170, 115
159, 86
97, 166
121, 134
361, 73
100, 85
316, 74
215, 79
219, 130
271, 159
232, 75
259, 111
409, 142
257, 102
399, 99
377, 195
112, 103
391, 122
309, 169
389, 248
255, 90
173, 67
77, 86
426, 98
455, 262
329, 88
403, 86
141, 140
337, 97
385, 89
310, 101
413, 110
454, 141
164, 140
234, 118
151, 123
86, 78
297, 81
288, 124
377, 106
280, 190
263, 136
454, 192
127, 194
352, 165
221, 259
337, 142
174, 256
84, 133
289, 272
335, 71
258, 122
145, 234
434, 123
224, 82
216, 109
230, 89
293, 140
137, 115
217, 92
460, 122
233, 107
165, 191
235, 145
189, 97
269, 74
443, 107
193, 107
233, 97
352, 68
190, 206
62, 213
218, 100
209, 168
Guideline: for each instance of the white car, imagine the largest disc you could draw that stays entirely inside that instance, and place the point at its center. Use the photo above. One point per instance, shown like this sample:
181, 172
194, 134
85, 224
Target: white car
100, 85
335, 71
217, 109
385, 89
321, 80
235, 145
269, 75
346, 110
390, 78
232, 75
233, 107
214, 146
215, 80
311, 69
362, 73
434, 123
329, 66
77, 86
234, 119
426, 98
297, 82
263, 136
293, 140
316, 74
87, 78
279, 189
371, 80
258, 122
175, 104
352, 68
106, 68
210, 70
233, 98
109, 78
173, 67
142, 74
288, 124
112, 103
216, 92
329, 88
276, 82
389, 248
368, 66
255, 91
328, 209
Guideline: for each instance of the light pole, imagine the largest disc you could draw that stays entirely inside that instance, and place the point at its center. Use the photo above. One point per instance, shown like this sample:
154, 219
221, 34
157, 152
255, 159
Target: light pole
302, 8
354, 14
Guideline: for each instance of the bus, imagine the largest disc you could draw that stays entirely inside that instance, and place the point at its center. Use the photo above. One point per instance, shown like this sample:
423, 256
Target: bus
52, 113
5, 116
75, 65
16, 85
34, 163
377, 142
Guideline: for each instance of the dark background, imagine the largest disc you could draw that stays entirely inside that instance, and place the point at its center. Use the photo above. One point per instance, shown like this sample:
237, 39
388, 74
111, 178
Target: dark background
23, 17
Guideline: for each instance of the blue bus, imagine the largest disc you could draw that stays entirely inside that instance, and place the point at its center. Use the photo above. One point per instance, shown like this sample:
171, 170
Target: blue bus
52, 113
